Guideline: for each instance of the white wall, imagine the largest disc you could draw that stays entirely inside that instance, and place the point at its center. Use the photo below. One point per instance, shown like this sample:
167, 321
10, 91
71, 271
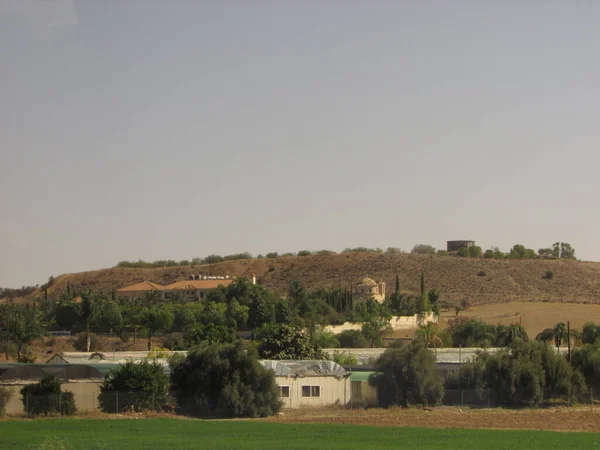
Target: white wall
333, 390
396, 322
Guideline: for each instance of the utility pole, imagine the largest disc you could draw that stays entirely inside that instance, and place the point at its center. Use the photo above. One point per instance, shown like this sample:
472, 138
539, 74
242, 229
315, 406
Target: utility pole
569, 341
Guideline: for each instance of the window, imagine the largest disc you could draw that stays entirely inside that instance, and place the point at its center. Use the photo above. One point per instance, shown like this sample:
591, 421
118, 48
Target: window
284, 391
311, 391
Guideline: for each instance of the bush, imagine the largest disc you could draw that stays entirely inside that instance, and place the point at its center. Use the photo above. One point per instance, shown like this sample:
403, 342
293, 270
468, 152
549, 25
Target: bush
475, 251
344, 359
304, 253
5, 396
463, 252
442, 253
352, 339
141, 386
424, 249
549, 275
80, 342
46, 398
407, 375
175, 341
272, 255
225, 381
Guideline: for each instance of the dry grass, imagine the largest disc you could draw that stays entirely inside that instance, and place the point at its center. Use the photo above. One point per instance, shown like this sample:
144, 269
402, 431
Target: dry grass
555, 419
505, 281
534, 316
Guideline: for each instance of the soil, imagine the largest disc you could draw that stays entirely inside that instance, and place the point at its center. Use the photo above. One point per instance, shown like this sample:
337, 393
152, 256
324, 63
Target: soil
552, 419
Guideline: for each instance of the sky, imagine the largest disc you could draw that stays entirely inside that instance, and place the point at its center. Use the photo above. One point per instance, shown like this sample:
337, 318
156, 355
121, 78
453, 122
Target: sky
171, 130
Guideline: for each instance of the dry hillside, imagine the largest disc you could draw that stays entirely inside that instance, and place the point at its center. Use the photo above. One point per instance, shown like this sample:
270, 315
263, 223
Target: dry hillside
458, 278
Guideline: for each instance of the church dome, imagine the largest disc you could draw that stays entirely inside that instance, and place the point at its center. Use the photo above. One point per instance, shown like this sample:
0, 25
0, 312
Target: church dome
367, 282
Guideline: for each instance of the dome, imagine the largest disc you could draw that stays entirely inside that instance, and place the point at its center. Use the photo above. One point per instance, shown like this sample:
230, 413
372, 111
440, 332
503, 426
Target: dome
367, 282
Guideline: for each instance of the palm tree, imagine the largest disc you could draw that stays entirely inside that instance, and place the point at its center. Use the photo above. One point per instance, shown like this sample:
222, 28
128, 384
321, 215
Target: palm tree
560, 334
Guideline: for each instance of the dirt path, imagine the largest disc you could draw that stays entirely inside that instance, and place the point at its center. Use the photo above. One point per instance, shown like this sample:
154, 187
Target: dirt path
555, 419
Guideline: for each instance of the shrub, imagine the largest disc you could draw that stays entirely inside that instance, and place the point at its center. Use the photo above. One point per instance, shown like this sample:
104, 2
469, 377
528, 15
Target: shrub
304, 253
407, 375
393, 250
225, 381
475, 251
272, 255
5, 396
141, 386
442, 253
423, 249
352, 339
344, 359
80, 342
46, 398
174, 341
549, 275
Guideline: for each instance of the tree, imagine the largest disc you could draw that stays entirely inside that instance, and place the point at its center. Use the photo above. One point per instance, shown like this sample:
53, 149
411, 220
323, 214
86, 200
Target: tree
225, 381
506, 335
140, 386
524, 374
463, 252
156, 319
283, 313
546, 335
422, 283
430, 333
423, 249
586, 359
470, 332
407, 375
260, 312
397, 284
22, 324
560, 334
563, 250
286, 342
375, 328
590, 333
45, 397
517, 252
475, 251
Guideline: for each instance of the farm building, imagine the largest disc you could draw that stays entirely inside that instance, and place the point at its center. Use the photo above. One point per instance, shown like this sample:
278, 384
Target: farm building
311, 383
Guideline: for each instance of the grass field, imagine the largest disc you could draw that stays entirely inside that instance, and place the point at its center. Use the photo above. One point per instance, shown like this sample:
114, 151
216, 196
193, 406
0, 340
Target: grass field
193, 434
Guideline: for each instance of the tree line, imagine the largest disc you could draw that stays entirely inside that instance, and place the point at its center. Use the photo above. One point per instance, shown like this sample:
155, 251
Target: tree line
558, 250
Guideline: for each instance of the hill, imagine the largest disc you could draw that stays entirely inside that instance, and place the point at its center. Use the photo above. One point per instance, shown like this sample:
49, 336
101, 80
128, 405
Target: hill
480, 281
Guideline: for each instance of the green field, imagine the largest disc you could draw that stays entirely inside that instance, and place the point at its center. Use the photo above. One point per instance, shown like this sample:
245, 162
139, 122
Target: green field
196, 434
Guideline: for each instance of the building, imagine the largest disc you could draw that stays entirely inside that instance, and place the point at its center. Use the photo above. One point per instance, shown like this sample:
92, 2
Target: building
454, 246
311, 384
196, 289
140, 289
367, 288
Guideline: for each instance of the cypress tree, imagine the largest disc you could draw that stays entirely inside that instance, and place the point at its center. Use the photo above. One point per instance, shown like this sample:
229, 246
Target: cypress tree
422, 283
397, 284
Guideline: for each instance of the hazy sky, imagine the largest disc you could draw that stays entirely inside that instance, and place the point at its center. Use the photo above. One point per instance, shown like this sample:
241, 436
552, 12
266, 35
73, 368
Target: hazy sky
156, 130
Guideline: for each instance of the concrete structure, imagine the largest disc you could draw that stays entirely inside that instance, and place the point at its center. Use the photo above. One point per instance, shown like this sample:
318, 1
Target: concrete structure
310, 384
367, 288
454, 246
140, 289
